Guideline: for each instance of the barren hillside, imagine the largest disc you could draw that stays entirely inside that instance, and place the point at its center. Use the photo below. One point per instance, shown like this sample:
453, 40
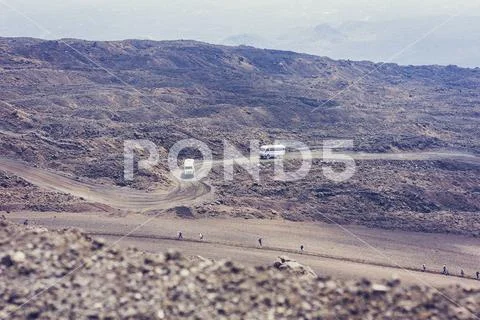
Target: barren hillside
68, 105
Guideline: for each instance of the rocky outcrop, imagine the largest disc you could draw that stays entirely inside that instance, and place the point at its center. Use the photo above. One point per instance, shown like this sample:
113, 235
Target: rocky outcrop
285, 263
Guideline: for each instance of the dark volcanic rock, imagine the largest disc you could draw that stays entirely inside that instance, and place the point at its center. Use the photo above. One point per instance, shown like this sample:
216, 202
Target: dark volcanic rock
61, 109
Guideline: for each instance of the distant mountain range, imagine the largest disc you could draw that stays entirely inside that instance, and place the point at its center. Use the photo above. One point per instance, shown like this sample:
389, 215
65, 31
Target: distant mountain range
434, 40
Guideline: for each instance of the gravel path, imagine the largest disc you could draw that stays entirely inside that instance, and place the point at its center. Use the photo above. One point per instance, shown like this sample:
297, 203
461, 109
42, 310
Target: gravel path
66, 275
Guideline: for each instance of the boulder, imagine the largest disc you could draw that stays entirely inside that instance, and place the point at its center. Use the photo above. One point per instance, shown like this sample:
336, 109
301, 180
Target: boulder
290, 265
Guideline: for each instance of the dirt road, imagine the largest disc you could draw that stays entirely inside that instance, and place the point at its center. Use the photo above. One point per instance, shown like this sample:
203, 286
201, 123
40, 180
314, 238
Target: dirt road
348, 252
124, 198
331, 250
181, 192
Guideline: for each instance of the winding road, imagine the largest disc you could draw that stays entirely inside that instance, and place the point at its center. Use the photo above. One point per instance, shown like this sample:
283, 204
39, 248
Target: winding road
330, 249
182, 192
124, 198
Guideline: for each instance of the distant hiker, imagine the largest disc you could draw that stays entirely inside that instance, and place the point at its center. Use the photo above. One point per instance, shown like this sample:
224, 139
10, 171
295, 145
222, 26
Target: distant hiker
445, 271
25, 223
462, 274
478, 275
201, 236
180, 235
260, 242
301, 247
424, 268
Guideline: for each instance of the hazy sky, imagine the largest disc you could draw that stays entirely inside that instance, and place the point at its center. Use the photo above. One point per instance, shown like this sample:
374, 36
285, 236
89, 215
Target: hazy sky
205, 20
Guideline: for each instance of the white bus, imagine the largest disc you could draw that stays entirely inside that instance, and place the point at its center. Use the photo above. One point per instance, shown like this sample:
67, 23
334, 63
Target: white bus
189, 168
272, 151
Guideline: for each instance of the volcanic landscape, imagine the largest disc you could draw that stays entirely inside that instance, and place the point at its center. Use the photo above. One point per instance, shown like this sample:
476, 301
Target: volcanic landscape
67, 107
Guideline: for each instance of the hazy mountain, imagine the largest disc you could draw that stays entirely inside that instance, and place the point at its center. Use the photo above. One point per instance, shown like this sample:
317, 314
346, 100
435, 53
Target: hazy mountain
417, 41
248, 39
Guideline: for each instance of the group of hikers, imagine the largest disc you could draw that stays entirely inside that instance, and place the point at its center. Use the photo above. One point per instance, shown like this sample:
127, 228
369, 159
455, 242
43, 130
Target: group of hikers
260, 240
260, 243
302, 248
445, 271
180, 235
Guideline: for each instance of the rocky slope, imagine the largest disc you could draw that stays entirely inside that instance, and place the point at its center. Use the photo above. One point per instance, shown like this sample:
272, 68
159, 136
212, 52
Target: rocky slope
428, 196
168, 90
53, 275
69, 104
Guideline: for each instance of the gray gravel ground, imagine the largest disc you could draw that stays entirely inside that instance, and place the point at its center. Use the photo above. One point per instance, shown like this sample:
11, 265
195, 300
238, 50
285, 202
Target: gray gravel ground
67, 275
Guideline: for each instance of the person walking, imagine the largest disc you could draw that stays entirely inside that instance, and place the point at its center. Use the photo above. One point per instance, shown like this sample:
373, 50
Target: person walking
478, 275
462, 274
424, 268
260, 242
180, 235
445, 271
201, 236
301, 247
